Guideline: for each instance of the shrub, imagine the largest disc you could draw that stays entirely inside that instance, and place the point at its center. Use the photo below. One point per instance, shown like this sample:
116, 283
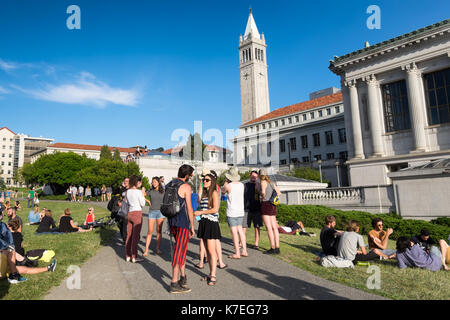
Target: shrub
443, 221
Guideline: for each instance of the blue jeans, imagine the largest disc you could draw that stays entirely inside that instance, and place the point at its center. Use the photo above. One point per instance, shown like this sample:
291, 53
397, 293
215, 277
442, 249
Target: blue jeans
155, 214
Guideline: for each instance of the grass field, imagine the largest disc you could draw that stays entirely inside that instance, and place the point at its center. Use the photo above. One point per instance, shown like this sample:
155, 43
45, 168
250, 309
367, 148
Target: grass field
395, 283
70, 249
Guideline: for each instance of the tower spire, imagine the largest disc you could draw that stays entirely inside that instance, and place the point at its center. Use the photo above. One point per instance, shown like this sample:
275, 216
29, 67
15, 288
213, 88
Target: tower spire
251, 31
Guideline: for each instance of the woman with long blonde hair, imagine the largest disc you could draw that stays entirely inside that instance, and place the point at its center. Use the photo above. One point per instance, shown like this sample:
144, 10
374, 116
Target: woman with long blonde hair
269, 211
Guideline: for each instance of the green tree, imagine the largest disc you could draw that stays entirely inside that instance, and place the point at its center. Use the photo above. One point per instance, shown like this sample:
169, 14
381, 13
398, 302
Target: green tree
117, 155
308, 174
193, 148
2, 183
105, 153
160, 149
59, 169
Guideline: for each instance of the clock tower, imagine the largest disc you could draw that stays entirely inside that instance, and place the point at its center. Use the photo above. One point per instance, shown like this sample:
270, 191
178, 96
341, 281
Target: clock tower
253, 70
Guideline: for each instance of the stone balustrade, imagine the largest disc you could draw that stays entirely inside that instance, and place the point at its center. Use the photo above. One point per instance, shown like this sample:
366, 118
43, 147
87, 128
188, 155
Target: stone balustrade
353, 194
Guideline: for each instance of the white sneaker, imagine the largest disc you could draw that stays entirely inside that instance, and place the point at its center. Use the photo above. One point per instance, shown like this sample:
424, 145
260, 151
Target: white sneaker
128, 259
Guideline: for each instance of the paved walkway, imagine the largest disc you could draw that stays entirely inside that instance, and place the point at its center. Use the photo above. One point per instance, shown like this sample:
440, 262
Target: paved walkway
257, 277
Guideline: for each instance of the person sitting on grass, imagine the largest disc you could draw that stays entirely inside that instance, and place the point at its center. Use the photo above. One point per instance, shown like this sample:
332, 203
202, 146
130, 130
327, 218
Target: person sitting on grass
425, 241
17, 206
34, 216
349, 243
13, 217
47, 223
7, 248
296, 226
90, 217
378, 239
67, 225
21, 261
329, 237
410, 254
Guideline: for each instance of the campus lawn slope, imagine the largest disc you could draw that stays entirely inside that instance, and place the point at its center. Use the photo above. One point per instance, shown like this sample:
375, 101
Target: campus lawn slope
395, 283
70, 249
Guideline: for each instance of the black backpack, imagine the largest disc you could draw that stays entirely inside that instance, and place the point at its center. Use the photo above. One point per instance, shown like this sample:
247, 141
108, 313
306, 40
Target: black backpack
171, 206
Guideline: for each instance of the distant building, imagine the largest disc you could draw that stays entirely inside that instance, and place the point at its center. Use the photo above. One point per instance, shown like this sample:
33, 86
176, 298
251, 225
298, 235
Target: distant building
91, 151
397, 100
16, 149
216, 154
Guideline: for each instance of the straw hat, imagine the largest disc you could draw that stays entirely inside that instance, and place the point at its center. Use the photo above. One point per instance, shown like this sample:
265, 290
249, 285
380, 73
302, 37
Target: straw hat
233, 175
205, 172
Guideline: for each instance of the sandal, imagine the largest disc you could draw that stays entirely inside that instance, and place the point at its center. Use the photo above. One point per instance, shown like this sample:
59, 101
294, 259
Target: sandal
224, 266
198, 266
212, 282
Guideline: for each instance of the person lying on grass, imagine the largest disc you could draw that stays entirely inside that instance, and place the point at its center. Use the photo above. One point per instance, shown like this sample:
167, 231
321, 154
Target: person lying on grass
21, 261
67, 225
412, 255
378, 239
349, 243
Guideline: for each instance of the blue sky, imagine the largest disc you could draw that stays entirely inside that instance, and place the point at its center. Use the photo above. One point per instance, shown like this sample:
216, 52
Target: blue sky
139, 69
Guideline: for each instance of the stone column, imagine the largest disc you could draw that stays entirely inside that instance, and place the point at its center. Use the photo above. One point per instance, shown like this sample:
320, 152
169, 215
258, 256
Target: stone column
416, 107
374, 116
356, 120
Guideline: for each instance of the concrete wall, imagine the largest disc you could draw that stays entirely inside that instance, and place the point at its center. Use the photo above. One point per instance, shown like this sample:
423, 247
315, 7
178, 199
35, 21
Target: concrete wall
423, 197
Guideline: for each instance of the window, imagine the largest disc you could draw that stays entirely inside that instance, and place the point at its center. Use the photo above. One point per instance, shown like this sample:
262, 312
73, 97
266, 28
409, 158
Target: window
246, 130
3, 147
318, 157
342, 136
316, 139
338, 109
9, 163
304, 117
294, 160
283, 162
3, 155
395, 106
283, 122
343, 155
269, 149
282, 146
329, 137
290, 120
328, 111
10, 155
320, 113
276, 123
437, 92
270, 125
297, 118
3, 163
293, 142
263, 125
330, 156
305, 159
304, 142
312, 115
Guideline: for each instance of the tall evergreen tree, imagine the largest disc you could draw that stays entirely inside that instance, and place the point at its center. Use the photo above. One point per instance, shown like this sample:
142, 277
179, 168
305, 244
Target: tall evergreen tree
105, 153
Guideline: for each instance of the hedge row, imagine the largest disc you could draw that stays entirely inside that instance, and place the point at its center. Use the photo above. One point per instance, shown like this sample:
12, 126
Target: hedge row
314, 217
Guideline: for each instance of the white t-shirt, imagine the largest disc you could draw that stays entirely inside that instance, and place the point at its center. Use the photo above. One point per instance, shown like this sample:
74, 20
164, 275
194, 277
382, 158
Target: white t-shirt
135, 200
235, 201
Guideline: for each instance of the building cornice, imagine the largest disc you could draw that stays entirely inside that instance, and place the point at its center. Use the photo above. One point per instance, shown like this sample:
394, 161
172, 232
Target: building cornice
413, 38
400, 157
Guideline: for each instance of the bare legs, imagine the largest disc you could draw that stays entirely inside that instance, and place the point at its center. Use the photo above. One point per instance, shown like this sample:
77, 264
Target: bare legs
444, 247
238, 233
272, 230
151, 227
210, 245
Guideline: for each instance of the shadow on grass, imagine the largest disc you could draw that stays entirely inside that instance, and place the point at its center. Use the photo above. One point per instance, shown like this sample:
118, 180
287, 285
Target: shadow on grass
4, 287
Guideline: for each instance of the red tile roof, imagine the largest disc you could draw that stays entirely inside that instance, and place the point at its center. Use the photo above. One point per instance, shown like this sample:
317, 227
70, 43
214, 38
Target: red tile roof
302, 106
87, 147
8, 130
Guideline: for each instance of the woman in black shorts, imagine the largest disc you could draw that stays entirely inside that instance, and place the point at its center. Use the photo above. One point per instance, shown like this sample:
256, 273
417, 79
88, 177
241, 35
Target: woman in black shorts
208, 227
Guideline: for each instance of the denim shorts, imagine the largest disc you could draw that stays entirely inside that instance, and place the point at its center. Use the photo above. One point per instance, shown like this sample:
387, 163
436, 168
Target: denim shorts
234, 222
155, 214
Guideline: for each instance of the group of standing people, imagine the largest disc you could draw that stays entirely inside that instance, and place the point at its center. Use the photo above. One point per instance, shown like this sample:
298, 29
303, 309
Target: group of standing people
79, 194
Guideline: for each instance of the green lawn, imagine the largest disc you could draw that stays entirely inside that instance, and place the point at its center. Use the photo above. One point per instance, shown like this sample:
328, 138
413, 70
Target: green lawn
395, 283
70, 249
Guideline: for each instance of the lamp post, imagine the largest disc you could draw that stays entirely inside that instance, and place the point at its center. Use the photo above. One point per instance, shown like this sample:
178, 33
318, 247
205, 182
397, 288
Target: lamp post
337, 174
319, 162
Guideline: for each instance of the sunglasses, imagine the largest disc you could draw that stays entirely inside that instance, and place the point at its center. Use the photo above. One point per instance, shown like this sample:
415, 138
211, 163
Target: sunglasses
206, 180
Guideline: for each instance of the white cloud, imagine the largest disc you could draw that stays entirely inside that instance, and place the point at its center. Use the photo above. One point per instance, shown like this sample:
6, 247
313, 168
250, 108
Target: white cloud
3, 90
7, 66
86, 90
